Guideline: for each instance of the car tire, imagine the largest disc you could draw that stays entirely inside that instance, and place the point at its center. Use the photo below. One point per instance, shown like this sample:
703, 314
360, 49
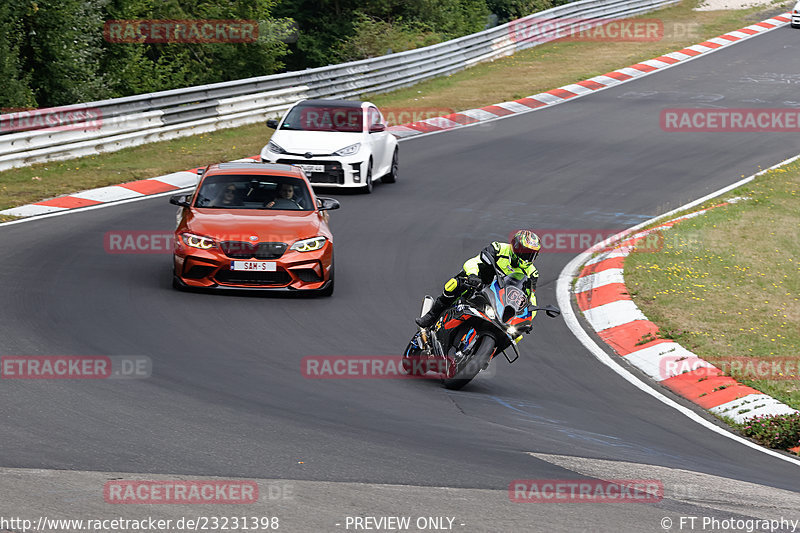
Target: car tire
368, 186
391, 177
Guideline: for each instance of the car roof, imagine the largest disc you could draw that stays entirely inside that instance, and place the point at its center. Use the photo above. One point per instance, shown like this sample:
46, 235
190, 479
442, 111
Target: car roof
255, 168
332, 102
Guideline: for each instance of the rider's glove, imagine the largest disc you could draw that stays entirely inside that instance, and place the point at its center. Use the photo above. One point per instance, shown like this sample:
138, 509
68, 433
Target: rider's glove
473, 281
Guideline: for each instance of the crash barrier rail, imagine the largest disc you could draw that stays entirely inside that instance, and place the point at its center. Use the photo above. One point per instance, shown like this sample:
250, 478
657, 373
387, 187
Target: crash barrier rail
122, 122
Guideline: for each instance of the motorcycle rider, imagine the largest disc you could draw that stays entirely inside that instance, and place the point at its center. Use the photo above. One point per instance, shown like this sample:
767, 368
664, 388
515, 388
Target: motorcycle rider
514, 258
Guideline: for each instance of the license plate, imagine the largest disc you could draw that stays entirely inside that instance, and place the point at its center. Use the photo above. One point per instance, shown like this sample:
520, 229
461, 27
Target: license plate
254, 266
312, 168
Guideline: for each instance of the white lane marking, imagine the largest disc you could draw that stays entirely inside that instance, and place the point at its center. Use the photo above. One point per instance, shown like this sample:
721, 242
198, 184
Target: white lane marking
570, 318
752, 405
598, 279
613, 314
112, 193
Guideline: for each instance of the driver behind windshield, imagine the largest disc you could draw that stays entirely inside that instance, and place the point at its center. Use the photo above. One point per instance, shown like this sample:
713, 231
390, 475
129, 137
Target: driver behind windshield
285, 198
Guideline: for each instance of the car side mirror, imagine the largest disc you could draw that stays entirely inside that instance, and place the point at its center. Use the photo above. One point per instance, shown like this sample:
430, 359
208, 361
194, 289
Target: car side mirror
272, 123
328, 203
180, 200
377, 128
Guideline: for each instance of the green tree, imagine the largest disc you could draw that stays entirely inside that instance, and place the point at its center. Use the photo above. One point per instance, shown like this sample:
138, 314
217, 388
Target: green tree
16, 91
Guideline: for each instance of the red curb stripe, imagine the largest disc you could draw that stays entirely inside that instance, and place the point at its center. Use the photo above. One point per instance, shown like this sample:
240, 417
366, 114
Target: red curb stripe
732, 38
589, 84
613, 292
623, 338
618, 76
605, 264
148, 186
689, 52
562, 93
709, 44
531, 102
460, 118
667, 59
782, 18
692, 386
69, 202
643, 67
748, 31
497, 110
766, 25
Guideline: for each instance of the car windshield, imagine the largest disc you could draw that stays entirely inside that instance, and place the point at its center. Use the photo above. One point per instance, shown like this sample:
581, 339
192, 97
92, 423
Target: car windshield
324, 118
224, 191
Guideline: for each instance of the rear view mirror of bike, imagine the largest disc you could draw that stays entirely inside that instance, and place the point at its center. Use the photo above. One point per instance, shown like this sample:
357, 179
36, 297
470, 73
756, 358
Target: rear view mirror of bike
552, 311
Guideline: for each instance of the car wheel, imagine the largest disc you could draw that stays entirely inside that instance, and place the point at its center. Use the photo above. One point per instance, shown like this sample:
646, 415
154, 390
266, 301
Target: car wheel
391, 177
368, 187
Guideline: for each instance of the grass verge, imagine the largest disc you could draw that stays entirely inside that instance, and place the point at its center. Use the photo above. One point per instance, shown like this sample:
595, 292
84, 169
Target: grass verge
535, 70
726, 285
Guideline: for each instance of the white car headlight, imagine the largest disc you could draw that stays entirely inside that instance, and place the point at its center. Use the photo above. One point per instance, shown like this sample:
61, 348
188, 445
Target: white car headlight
273, 147
348, 150
197, 241
309, 245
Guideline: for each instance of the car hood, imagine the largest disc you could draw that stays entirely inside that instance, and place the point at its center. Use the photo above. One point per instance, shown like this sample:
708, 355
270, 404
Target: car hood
316, 142
242, 224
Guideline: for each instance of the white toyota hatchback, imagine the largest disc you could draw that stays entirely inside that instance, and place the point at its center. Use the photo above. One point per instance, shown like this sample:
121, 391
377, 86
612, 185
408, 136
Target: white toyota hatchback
796, 16
338, 143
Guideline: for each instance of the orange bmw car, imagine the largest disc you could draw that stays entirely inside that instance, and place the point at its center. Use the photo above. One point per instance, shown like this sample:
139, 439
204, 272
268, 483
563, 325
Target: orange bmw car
254, 226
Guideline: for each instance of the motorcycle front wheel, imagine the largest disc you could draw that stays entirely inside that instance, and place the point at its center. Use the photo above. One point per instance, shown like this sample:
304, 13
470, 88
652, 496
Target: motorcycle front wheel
468, 369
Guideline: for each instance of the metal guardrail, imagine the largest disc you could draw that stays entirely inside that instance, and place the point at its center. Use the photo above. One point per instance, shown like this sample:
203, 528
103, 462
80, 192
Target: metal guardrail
145, 118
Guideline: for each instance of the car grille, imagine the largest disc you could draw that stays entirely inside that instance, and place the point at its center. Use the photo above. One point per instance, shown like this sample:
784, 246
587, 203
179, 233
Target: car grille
306, 274
279, 277
246, 250
334, 173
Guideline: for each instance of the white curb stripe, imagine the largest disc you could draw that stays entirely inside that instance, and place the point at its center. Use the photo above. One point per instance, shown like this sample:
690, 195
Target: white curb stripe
514, 107
613, 314
107, 194
180, 180
478, 114
31, 210
577, 89
753, 405
663, 361
441, 122
598, 279
619, 252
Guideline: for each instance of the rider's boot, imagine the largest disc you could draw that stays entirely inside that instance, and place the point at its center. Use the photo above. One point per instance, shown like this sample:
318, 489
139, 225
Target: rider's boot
429, 318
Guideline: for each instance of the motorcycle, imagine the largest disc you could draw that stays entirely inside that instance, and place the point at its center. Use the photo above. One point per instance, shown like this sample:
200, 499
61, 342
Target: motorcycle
483, 322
